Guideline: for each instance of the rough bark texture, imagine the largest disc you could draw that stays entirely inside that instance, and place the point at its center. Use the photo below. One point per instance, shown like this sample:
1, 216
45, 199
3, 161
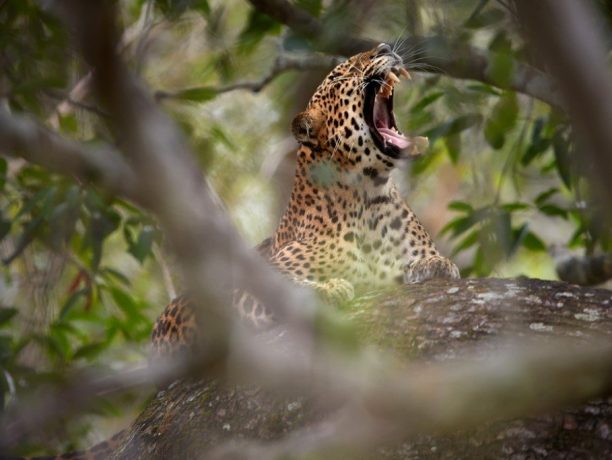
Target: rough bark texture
435, 321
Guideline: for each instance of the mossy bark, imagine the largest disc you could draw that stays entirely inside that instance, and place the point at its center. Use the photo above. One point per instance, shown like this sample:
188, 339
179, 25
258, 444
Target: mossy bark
435, 321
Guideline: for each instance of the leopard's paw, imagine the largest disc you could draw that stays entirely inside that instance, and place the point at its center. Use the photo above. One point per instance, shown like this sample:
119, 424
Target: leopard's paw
338, 290
428, 268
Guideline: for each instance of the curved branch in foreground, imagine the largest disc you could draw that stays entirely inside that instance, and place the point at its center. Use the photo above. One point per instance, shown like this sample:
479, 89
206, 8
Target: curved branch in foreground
460, 395
438, 55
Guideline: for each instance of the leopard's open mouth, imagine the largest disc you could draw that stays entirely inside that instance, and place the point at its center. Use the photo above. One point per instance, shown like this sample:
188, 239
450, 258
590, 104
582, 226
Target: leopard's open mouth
378, 112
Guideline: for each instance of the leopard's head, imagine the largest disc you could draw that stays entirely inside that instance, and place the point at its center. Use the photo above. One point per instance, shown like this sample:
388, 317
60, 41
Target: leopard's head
350, 119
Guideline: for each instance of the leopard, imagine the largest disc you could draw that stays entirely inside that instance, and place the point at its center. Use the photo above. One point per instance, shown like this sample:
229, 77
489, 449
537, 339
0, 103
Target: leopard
346, 229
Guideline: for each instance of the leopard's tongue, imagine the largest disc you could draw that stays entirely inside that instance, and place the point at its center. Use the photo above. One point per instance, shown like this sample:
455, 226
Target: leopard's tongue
391, 137
383, 124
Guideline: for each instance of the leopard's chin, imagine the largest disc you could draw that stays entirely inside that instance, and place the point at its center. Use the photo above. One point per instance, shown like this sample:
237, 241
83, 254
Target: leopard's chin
378, 113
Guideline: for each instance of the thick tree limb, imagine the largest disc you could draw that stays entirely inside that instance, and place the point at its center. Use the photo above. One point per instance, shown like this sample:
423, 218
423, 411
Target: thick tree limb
450, 384
437, 56
580, 67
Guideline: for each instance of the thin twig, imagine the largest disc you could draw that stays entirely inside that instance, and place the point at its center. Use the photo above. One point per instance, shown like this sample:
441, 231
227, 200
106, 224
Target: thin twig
67, 99
282, 64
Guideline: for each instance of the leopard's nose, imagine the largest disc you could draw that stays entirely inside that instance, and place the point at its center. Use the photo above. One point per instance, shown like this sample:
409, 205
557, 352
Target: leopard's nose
383, 49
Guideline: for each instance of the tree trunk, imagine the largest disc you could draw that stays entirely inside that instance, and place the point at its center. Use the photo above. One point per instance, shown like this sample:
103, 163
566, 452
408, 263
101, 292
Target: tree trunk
435, 321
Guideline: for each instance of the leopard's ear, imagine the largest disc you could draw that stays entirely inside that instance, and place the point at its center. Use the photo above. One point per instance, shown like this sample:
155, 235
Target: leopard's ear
308, 126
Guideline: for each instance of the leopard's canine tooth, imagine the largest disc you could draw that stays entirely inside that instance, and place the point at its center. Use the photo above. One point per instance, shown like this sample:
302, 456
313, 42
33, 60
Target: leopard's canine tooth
404, 73
392, 77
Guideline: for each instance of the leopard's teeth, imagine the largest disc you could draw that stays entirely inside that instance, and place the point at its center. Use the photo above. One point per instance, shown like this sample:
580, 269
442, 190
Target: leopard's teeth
385, 90
404, 73
392, 78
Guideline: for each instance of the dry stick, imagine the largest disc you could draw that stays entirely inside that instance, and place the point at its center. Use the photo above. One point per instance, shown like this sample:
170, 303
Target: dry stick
282, 64
456, 60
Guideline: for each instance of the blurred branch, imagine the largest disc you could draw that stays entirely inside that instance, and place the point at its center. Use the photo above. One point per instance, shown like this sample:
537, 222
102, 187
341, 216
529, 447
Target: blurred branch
441, 398
359, 400
585, 270
438, 55
171, 184
23, 137
166, 274
282, 64
580, 66
66, 101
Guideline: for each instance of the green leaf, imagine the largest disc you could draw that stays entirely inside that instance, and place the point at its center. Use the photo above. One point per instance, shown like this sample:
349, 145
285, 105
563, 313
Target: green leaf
461, 206
501, 68
534, 150
544, 196
6, 348
197, 94
203, 6
219, 135
454, 126
258, 26
174, 8
142, 247
90, 350
538, 143
68, 123
6, 314
3, 168
553, 210
426, 101
72, 301
518, 235
111, 273
453, 146
533, 242
516, 206
126, 303
502, 120
5, 227
485, 89
501, 227
313, 7
562, 157
486, 18
466, 243
460, 225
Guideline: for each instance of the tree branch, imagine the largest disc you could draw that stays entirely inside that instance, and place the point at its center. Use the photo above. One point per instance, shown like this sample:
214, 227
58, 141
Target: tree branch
580, 67
23, 137
457, 378
438, 55
282, 64
585, 270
